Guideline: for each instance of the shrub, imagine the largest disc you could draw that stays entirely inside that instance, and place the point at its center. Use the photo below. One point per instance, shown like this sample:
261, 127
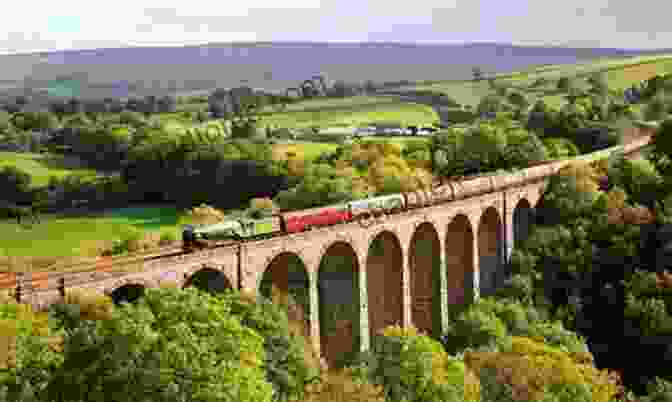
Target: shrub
523, 148
518, 287
414, 368
89, 304
287, 364
560, 147
203, 214
341, 386
262, 207
532, 371
474, 328
201, 351
458, 116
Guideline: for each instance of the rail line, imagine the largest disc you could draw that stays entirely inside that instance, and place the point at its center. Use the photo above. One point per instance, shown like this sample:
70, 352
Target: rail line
118, 263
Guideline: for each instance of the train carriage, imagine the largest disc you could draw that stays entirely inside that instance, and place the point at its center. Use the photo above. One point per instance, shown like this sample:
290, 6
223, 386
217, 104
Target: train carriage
418, 199
298, 221
263, 227
234, 229
443, 193
473, 186
377, 205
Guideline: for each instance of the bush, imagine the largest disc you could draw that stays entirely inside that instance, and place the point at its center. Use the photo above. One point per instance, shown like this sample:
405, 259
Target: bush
287, 364
459, 116
130, 241
262, 207
532, 371
474, 328
168, 331
523, 148
202, 215
414, 368
560, 148
342, 386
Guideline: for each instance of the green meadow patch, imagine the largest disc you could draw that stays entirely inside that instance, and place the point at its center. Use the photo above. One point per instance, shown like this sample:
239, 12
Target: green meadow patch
60, 236
357, 115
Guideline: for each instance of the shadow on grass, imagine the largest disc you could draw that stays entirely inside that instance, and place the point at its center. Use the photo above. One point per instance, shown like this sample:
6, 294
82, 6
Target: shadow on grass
148, 218
66, 162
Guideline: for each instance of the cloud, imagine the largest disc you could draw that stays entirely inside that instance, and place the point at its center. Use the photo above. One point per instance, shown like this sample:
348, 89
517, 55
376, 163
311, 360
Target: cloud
85, 24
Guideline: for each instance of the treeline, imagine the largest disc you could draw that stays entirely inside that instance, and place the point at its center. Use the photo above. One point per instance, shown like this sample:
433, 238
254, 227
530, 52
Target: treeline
597, 260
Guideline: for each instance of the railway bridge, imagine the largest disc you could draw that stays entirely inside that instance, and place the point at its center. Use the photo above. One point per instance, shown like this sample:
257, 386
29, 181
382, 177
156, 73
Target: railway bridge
406, 268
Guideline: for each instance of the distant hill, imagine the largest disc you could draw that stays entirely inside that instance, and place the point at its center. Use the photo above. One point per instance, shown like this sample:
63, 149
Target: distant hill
141, 71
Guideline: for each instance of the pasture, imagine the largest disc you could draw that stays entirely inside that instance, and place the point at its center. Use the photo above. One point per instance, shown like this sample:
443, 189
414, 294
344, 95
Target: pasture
331, 103
356, 115
63, 236
42, 166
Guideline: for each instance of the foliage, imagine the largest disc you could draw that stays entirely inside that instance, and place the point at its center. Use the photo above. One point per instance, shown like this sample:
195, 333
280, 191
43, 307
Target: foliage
174, 341
491, 104
261, 207
560, 148
532, 369
30, 351
15, 184
343, 386
286, 365
474, 328
659, 390
456, 150
523, 148
564, 83
656, 109
203, 215
570, 194
414, 367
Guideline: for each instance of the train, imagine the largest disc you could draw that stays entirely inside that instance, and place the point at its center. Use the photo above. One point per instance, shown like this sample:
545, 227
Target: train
284, 223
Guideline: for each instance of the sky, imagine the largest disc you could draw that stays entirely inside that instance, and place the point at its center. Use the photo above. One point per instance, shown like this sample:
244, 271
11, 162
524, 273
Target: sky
79, 24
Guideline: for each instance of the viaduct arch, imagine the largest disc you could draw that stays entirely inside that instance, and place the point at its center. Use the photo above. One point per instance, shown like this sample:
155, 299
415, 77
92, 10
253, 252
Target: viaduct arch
475, 235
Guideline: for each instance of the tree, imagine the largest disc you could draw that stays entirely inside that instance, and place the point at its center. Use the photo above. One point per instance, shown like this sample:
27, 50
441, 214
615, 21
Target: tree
477, 73
656, 109
340, 89
163, 346
166, 104
75, 106
15, 185
490, 104
5, 122
518, 99
599, 84
564, 84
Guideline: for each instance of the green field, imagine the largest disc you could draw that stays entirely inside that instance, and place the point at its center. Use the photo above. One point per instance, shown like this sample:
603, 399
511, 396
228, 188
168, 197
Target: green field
41, 166
354, 115
59, 236
463, 92
332, 103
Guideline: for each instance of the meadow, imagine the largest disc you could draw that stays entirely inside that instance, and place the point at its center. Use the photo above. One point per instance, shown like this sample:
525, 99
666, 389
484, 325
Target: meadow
404, 114
63, 236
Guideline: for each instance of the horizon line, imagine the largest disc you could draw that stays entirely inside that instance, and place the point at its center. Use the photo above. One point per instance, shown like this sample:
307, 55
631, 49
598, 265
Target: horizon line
334, 42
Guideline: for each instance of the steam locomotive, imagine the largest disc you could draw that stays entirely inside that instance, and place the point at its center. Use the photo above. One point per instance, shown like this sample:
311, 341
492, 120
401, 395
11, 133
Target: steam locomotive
238, 230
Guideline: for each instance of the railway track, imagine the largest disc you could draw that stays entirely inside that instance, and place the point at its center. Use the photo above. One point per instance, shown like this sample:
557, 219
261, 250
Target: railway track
122, 263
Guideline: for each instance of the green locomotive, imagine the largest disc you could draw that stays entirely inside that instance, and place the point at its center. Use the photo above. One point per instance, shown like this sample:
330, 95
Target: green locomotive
234, 229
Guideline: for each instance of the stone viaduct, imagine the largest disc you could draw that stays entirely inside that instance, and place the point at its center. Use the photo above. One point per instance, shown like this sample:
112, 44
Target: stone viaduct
406, 268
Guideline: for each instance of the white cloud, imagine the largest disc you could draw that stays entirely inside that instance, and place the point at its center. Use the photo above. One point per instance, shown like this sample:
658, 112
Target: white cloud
614, 23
